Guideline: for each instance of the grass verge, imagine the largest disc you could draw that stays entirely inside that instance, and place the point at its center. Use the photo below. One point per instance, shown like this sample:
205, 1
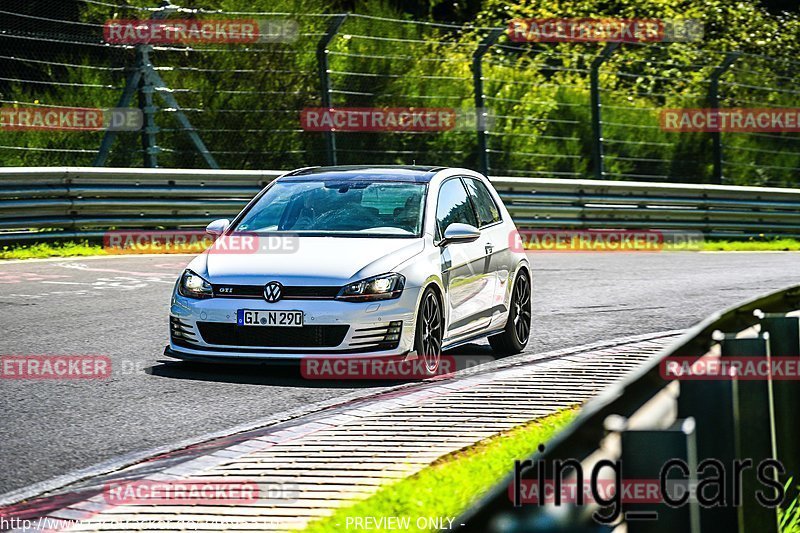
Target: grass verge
789, 513
772, 245
447, 487
56, 249
83, 248
710, 245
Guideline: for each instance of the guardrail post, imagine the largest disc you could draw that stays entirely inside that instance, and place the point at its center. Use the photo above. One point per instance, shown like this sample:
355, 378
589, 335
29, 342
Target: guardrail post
481, 116
710, 403
325, 79
784, 341
594, 88
713, 103
644, 453
754, 428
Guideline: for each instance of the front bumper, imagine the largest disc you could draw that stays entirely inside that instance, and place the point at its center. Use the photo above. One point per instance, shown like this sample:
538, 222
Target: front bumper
206, 329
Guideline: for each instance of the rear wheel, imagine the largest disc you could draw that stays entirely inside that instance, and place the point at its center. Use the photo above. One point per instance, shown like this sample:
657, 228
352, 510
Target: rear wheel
429, 331
518, 327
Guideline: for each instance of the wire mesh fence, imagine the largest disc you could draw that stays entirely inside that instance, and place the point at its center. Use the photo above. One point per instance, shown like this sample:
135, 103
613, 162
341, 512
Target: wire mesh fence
544, 109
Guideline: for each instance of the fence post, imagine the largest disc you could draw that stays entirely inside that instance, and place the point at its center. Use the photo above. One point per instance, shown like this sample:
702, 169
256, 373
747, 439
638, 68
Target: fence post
131, 86
481, 116
146, 89
597, 129
713, 103
172, 103
134, 83
325, 79
145, 81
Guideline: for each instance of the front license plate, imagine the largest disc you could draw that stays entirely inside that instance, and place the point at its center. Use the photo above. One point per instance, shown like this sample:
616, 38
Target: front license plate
281, 319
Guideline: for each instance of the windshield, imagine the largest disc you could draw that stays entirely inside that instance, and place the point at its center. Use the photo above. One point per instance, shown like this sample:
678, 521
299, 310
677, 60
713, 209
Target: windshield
349, 207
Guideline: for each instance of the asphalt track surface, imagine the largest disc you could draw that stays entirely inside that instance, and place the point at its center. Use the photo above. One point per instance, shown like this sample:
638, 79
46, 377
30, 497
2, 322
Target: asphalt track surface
118, 307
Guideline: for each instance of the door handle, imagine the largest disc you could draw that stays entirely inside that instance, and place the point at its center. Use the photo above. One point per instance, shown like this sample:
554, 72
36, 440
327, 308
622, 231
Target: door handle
488, 247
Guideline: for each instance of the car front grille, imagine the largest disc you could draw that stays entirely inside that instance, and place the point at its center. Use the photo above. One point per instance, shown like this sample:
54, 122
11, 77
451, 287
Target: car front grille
227, 334
290, 292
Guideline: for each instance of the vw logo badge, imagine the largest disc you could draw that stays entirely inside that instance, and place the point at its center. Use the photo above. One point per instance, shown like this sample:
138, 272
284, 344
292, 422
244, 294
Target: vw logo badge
272, 291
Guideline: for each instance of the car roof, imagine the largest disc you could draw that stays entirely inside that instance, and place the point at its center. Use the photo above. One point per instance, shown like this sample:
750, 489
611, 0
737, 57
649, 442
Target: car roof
405, 173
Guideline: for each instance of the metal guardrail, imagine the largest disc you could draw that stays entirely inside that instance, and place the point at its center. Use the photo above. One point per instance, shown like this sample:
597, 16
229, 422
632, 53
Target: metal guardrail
83, 202
647, 420
47, 203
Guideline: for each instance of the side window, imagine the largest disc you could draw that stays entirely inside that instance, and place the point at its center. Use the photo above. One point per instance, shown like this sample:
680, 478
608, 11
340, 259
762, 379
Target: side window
488, 213
453, 206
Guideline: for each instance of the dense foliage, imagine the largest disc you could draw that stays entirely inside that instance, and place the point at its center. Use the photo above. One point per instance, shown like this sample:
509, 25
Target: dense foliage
244, 100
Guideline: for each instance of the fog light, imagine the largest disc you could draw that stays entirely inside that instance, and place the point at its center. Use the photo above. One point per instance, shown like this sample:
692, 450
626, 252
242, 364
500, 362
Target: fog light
393, 332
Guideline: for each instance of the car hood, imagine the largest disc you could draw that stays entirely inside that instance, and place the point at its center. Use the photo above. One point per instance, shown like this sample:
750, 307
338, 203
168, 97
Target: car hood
315, 261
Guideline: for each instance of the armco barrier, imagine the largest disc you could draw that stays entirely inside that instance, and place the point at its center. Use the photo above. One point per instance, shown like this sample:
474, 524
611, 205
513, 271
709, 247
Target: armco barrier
647, 420
82, 202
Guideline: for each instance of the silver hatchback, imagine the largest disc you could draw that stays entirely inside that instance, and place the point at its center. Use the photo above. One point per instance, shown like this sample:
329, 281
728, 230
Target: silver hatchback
381, 261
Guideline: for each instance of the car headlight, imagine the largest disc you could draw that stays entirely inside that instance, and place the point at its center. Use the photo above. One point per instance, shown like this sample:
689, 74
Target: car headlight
193, 286
383, 287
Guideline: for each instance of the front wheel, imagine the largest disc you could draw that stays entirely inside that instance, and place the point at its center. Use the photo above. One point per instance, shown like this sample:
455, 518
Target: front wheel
429, 331
515, 336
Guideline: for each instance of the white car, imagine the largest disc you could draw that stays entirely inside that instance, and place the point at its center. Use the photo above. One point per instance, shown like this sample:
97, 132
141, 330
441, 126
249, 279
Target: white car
380, 261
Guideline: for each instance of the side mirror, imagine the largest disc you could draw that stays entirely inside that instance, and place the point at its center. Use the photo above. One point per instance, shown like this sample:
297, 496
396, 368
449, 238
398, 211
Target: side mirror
457, 232
218, 227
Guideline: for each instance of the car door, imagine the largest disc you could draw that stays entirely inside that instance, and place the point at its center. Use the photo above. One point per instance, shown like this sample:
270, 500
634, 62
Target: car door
466, 272
496, 243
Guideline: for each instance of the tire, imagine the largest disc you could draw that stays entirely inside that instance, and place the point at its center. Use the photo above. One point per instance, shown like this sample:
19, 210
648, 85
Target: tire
515, 336
429, 331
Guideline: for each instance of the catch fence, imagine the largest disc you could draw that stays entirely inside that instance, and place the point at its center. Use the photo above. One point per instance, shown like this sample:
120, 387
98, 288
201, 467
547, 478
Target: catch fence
551, 110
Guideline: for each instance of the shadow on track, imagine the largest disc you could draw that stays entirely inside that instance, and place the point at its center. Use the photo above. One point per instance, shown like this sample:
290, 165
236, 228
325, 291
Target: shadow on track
288, 373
